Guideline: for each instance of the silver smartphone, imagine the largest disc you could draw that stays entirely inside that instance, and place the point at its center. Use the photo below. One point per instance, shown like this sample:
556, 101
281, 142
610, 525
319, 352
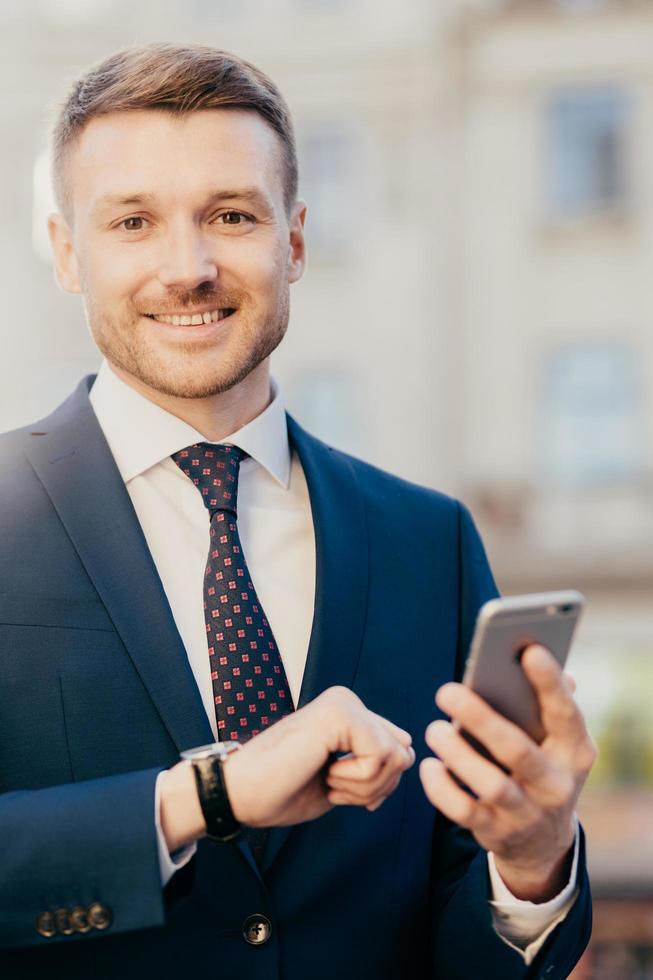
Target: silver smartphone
504, 628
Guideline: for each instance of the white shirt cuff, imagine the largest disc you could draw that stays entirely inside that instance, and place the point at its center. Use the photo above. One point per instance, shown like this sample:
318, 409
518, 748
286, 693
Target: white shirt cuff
168, 863
526, 925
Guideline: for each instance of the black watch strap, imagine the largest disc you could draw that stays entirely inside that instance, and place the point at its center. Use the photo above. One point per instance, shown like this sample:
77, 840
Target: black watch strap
221, 825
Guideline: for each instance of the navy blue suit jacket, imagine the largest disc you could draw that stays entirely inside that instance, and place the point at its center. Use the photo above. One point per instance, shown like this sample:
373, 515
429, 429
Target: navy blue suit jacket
97, 696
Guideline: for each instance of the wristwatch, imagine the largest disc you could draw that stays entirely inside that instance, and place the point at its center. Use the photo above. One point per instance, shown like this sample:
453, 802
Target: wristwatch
208, 760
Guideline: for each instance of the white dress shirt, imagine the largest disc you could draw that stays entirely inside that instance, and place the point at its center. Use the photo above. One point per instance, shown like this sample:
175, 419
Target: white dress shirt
276, 530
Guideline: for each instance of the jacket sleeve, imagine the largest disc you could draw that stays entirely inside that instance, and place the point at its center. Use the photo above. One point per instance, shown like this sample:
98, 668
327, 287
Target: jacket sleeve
464, 942
86, 848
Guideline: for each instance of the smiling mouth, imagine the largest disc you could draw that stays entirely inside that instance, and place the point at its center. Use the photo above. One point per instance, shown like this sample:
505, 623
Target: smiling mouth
191, 320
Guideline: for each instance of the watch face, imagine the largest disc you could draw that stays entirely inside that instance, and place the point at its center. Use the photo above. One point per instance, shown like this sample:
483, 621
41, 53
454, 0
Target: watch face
213, 750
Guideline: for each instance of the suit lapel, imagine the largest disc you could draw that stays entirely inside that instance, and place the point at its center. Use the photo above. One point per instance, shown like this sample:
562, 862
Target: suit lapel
72, 459
341, 574
341, 578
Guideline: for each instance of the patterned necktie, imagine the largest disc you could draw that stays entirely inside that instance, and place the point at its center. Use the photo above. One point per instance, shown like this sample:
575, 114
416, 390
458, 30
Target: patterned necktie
250, 687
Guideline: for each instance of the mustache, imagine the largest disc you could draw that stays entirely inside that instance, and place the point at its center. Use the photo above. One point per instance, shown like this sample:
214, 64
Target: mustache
191, 300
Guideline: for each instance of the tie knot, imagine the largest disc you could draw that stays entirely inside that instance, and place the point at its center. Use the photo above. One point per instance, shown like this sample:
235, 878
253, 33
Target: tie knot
214, 471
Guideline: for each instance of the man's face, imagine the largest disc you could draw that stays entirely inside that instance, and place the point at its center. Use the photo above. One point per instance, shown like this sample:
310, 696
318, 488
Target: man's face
181, 217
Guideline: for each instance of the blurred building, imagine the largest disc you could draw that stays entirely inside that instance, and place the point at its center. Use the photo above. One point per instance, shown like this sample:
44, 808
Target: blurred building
477, 311
556, 408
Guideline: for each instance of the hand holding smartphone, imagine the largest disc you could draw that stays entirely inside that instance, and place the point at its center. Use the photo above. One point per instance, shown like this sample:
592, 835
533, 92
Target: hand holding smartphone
504, 628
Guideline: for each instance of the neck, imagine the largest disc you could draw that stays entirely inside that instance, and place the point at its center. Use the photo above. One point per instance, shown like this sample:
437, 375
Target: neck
215, 416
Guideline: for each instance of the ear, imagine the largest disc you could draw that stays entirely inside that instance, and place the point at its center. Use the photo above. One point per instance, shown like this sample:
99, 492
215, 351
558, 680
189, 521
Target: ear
63, 252
297, 254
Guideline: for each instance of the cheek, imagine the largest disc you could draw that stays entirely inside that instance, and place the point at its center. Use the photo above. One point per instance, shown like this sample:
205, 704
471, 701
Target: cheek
263, 269
271, 279
111, 279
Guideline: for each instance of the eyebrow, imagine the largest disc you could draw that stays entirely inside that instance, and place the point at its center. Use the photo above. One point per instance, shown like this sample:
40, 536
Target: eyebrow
250, 195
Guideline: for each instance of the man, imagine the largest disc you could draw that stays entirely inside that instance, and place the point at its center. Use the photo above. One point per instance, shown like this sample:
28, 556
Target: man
124, 645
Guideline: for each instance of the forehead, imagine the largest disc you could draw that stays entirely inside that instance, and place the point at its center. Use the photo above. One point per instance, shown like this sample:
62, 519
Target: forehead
171, 156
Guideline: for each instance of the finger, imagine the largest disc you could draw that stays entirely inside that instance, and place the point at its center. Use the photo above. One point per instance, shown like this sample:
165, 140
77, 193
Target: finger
361, 768
373, 738
449, 798
490, 783
507, 742
347, 727
561, 717
368, 768
377, 803
377, 749
365, 791
358, 791
375, 806
364, 795
382, 785
571, 682
338, 798
403, 737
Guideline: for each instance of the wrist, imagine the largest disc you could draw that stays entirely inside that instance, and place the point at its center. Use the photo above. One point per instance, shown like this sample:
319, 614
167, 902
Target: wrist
207, 765
182, 821
536, 882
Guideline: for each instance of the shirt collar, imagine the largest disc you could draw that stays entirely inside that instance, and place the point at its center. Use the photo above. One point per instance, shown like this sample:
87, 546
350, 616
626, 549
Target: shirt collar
140, 434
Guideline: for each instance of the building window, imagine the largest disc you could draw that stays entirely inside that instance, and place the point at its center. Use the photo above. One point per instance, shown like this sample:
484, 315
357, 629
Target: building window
326, 167
592, 416
586, 170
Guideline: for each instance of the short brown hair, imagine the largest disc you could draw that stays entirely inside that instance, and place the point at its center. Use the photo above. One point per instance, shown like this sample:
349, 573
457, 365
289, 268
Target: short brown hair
174, 78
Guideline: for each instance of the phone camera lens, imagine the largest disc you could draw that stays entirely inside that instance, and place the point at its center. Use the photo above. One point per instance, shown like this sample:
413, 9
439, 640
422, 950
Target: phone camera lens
566, 608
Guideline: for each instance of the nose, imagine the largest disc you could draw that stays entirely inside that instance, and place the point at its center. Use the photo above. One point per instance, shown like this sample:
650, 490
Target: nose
186, 259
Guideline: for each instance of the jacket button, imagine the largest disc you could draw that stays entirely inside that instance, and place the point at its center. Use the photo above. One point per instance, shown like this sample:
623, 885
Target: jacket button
79, 919
99, 916
45, 925
257, 929
62, 919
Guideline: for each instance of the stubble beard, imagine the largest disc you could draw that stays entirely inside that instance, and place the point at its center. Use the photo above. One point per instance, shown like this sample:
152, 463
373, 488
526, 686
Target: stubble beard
190, 370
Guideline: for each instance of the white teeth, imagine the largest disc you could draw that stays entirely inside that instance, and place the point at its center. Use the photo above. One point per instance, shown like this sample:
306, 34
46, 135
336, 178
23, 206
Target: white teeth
194, 320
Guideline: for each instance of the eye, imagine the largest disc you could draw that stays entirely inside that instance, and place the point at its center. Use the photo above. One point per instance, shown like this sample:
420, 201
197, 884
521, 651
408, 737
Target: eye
233, 218
135, 223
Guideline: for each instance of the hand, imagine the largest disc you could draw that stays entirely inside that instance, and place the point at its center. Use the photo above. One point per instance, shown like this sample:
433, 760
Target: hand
283, 776
525, 816
278, 777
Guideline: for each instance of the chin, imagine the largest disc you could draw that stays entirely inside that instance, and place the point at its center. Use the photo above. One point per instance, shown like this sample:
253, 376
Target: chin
194, 389
195, 381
